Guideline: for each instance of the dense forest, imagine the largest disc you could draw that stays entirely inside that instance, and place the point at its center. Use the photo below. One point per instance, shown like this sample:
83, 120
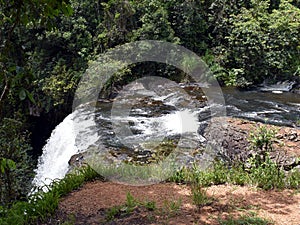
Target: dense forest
46, 46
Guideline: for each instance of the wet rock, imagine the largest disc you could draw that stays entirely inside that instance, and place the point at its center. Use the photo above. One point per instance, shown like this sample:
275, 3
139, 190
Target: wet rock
77, 160
227, 137
296, 91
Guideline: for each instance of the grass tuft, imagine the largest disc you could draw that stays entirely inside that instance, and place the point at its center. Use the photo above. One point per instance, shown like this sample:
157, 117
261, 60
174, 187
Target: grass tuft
245, 220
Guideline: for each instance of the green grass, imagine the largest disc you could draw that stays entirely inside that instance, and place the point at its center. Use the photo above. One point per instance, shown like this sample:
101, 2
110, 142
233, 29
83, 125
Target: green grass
245, 220
171, 207
128, 207
43, 205
266, 176
133, 174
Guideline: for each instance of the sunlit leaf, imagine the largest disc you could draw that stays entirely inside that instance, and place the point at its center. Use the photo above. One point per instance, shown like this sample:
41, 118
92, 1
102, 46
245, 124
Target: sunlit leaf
22, 94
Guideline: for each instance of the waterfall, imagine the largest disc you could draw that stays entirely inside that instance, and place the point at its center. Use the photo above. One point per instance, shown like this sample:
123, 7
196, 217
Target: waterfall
280, 87
155, 118
53, 164
73, 135
78, 132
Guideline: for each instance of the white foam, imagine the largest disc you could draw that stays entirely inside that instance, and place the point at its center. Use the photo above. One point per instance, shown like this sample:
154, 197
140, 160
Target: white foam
53, 164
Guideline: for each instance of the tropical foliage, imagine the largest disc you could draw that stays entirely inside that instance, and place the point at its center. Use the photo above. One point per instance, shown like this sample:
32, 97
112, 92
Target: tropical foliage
45, 47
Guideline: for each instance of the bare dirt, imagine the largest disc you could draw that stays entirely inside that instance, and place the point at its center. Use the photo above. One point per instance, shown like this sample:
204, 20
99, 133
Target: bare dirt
90, 204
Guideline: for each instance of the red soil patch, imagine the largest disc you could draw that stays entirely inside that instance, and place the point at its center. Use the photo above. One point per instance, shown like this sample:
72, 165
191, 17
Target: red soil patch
90, 204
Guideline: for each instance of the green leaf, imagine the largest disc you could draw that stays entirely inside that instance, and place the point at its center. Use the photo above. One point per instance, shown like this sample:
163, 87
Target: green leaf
2, 166
30, 96
6, 164
22, 94
10, 164
69, 10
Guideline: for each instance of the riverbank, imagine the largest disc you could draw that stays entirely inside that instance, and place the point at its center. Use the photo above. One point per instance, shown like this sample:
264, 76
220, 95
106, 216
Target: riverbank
173, 203
266, 194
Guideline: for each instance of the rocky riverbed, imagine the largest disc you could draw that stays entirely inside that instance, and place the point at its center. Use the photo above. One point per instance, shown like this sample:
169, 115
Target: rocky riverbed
230, 137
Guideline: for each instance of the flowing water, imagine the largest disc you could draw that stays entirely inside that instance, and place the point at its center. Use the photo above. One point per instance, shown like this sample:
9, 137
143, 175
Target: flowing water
279, 109
149, 117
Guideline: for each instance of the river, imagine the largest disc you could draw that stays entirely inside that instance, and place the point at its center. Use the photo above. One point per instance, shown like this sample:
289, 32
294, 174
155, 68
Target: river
123, 131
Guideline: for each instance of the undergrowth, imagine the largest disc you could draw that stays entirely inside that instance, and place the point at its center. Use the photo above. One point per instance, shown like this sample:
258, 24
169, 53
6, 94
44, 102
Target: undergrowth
266, 176
262, 171
41, 205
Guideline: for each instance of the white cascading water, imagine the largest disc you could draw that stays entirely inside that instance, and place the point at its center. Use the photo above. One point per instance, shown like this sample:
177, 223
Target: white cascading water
53, 164
80, 126
181, 122
63, 144
79, 131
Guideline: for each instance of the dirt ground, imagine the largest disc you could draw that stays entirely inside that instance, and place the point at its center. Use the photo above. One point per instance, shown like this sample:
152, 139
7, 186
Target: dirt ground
89, 205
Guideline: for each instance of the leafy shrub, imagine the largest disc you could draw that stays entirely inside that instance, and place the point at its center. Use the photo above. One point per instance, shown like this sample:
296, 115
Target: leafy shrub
262, 140
293, 179
263, 43
237, 175
264, 172
16, 171
267, 175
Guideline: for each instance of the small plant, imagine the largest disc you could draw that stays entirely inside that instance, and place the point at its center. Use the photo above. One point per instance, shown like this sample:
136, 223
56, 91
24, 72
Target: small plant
131, 203
200, 197
238, 176
122, 210
181, 176
219, 174
150, 205
172, 207
112, 213
264, 172
293, 179
215, 175
267, 175
128, 207
262, 140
